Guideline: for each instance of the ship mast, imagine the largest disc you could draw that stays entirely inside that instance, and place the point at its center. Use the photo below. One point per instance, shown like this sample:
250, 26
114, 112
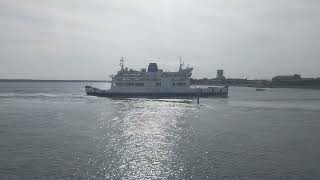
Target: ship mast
180, 66
121, 64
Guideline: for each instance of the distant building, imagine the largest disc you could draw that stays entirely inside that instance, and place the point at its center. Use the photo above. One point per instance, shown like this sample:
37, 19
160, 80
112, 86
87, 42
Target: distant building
287, 78
295, 81
220, 75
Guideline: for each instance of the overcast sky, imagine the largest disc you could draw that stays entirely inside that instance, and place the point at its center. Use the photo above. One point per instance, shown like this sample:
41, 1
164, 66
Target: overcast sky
85, 39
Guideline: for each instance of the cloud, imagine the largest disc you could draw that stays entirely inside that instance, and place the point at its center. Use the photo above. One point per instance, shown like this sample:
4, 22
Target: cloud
259, 39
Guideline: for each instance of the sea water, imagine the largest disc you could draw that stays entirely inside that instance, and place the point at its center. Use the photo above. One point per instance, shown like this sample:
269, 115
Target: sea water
52, 130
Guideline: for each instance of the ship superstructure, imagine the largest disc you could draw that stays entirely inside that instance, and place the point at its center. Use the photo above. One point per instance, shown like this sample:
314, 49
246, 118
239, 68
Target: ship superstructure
151, 79
154, 82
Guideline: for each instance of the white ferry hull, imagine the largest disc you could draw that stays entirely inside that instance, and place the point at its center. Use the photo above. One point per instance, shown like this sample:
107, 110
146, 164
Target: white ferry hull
192, 93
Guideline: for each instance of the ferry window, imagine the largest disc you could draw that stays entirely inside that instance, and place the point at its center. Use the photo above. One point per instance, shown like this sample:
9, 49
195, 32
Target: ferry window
119, 84
129, 84
158, 83
139, 84
173, 84
181, 84
179, 79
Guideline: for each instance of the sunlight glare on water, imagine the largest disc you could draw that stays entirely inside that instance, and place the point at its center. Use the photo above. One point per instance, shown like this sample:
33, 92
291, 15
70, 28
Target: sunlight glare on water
145, 139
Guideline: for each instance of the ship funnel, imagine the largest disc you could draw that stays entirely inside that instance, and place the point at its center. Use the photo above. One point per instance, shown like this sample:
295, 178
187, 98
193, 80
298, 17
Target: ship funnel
153, 67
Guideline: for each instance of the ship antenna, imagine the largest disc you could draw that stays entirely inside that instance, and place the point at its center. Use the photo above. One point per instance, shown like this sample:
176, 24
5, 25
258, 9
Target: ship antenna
180, 66
121, 63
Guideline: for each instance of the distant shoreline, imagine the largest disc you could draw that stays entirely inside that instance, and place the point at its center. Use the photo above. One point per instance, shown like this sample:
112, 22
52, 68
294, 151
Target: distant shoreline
268, 86
44, 80
203, 84
300, 83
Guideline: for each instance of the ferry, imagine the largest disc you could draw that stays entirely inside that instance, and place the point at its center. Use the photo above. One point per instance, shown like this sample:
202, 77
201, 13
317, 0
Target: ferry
155, 83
